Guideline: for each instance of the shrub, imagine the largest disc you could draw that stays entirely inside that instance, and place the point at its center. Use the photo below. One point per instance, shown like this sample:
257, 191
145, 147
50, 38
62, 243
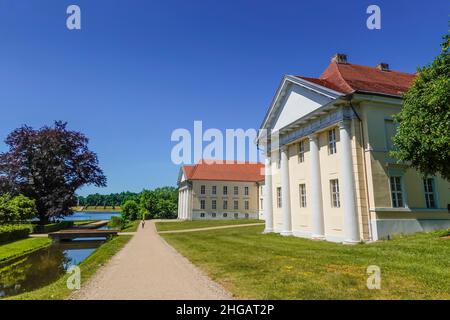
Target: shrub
130, 210
52, 227
116, 222
19, 208
13, 232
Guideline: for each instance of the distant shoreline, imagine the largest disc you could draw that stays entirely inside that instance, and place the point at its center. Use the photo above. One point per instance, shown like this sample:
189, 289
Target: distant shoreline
96, 209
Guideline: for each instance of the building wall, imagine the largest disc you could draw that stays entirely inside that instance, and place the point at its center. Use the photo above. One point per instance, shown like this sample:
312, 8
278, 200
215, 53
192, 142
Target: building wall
415, 217
209, 212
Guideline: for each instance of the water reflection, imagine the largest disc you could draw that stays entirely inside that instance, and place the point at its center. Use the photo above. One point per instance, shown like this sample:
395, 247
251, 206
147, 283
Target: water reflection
43, 267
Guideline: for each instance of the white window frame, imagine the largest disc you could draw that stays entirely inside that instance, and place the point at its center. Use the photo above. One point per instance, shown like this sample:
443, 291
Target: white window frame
395, 192
214, 204
431, 193
225, 190
202, 204
331, 136
246, 205
302, 195
236, 204
246, 191
335, 195
279, 199
301, 151
236, 190
225, 204
202, 189
214, 190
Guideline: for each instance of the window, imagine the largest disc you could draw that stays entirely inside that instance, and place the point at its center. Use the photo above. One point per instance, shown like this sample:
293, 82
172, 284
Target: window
236, 215
236, 190
279, 197
214, 204
332, 141
302, 194
202, 204
236, 204
246, 191
202, 215
390, 128
261, 204
225, 190
225, 204
202, 189
334, 188
301, 152
214, 190
430, 198
213, 215
247, 216
246, 205
225, 215
396, 192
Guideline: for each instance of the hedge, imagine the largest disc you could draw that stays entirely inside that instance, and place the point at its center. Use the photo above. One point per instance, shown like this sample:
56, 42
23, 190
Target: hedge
13, 232
52, 227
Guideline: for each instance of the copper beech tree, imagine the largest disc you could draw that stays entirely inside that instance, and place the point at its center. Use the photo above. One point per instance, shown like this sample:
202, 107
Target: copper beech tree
48, 165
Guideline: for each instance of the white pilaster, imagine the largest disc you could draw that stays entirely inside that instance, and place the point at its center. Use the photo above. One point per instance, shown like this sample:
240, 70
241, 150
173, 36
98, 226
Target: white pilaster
318, 229
285, 192
185, 204
351, 227
179, 204
182, 204
268, 209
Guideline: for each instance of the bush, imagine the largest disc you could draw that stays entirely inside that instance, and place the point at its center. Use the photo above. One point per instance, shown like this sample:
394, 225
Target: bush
19, 208
116, 222
13, 232
130, 210
52, 227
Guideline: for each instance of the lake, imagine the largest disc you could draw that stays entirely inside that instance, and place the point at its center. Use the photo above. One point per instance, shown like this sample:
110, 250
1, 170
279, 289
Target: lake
86, 215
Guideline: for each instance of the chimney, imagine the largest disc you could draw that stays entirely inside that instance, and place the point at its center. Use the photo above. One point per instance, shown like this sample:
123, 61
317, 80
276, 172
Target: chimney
383, 66
339, 58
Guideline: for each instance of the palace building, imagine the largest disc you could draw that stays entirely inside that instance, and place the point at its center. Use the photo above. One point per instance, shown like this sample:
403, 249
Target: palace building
220, 190
329, 172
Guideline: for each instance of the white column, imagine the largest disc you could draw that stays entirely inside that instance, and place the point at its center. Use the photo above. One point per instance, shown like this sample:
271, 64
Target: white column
188, 212
179, 204
268, 209
182, 204
186, 215
285, 192
318, 229
351, 227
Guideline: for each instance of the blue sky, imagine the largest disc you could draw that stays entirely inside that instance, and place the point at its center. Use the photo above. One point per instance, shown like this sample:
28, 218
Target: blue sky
140, 69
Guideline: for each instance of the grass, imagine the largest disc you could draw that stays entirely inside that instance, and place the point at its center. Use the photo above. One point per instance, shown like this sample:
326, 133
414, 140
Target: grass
20, 247
131, 226
253, 265
181, 225
96, 209
58, 290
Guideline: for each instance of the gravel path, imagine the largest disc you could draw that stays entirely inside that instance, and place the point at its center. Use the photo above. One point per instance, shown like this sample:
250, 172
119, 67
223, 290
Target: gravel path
148, 268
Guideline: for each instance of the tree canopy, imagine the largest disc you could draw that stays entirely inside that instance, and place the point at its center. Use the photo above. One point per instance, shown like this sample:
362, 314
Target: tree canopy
14, 209
423, 135
48, 165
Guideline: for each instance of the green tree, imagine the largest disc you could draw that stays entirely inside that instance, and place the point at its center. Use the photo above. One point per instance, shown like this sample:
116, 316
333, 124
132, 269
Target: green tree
423, 135
130, 210
19, 208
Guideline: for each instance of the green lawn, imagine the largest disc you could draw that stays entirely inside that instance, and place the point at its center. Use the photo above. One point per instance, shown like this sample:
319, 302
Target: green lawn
131, 226
82, 222
181, 225
253, 265
58, 290
20, 247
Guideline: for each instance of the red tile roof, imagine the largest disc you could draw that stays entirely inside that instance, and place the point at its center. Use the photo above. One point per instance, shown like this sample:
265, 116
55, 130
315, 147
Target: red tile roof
348, 78
224, 171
